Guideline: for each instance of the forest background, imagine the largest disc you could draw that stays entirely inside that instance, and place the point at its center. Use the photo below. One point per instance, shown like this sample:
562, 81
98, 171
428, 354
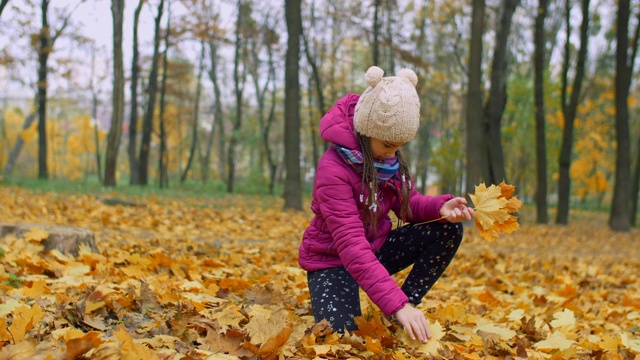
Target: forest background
147, 123
227, 95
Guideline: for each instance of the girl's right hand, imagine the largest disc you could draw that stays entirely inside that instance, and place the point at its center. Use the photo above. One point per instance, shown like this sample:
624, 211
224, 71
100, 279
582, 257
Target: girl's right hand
414, 322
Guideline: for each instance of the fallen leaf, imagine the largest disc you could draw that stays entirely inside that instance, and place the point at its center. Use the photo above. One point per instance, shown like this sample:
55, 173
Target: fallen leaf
24, 319
36, 235
80, 346
504, 334
555, 341
564, 318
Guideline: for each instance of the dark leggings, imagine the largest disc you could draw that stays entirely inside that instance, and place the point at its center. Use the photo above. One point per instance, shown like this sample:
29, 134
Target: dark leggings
429, 247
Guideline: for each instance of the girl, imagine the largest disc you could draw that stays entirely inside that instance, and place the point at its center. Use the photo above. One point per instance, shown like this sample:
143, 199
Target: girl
349, 243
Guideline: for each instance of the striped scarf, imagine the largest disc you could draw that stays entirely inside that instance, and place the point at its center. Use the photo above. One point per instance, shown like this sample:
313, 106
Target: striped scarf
386, 169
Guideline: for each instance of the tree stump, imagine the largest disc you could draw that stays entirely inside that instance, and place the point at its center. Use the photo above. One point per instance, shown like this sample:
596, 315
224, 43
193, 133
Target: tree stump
65, 239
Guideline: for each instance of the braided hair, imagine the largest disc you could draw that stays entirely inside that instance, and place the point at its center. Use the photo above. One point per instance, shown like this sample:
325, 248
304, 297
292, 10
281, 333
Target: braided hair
370, 181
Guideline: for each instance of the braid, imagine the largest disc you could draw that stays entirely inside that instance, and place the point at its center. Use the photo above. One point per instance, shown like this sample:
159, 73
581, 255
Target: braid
405, 210
370, 182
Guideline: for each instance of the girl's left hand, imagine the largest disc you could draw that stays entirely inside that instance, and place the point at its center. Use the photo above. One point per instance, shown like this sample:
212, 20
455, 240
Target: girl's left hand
456, 210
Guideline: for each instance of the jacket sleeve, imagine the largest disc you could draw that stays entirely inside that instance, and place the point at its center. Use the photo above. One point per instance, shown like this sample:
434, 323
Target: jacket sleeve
340, 211
424, 207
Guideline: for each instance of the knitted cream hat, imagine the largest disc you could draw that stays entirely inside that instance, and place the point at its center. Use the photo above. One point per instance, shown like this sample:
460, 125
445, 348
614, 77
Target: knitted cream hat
389, 109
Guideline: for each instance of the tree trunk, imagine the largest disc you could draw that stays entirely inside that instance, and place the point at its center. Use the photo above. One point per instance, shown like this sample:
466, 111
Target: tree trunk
94, 114
67, 240
2, 5
17, 147
134, 170
313, 125
163, 159
635, 182
196, 114
115, 131
238, 81
476, 156
389, 38
424, 131
569, 110
273, 167
375, 46
43, 58
317, 81
147, 123
542, 216
497, 101
619, 219
293, 186
217, 117
265, 122
635, 189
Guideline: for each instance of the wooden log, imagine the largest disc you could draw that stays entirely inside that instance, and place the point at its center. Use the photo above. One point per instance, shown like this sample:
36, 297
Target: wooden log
65, 239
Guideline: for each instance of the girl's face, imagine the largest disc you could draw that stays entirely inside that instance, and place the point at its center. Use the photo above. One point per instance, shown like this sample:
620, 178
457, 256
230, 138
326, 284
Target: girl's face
384, 149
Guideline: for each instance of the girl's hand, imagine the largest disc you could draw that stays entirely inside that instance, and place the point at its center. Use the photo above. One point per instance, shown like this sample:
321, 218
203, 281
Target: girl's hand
456, 210
414, 322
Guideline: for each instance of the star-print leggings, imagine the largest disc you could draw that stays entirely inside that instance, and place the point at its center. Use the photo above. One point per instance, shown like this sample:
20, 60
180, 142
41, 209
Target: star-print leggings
429, 247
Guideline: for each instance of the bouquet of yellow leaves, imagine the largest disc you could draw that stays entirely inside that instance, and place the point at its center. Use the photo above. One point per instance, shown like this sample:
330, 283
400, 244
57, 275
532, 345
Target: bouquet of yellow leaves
494, 207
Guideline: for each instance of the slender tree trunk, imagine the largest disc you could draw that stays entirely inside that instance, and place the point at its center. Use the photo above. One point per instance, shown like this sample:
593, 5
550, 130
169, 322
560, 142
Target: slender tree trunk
619, 219
569, 111
497, 101
317, 81
147, 123
389, 38
43, 59
635, 189
196, 114
313, 121
238, 81
115, 131
17, 147
273, 167
134, 168
96, 136
542, 216
293, 186
476, 156
375, 46
265, 122
635, 182
163, 159
425, 104
2, 5
217, 124
94, 114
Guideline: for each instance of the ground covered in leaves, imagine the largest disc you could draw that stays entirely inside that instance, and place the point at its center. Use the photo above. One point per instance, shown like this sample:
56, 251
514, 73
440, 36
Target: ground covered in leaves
218, 279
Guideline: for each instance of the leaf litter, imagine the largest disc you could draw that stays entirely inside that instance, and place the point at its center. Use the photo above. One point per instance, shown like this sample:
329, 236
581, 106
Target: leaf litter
195, 279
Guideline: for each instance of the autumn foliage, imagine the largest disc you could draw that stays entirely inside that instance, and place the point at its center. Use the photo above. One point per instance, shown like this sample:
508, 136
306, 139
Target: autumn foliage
198, 278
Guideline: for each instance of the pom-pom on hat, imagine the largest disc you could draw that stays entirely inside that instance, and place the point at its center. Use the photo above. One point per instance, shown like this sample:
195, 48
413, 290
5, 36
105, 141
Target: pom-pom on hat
389, 109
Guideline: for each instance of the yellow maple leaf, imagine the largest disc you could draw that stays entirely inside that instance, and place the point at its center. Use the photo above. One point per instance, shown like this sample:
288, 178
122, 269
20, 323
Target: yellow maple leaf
557, 340
494, 206
430, 347
489, 206
24, 319
563, 318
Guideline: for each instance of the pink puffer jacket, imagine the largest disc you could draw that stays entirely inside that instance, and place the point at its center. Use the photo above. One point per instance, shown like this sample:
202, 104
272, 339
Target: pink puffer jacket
336, 236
